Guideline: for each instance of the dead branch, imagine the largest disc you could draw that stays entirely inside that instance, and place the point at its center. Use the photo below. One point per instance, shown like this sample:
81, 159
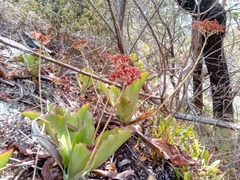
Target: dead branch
121, 14
204, 120
142, 31
151, 29
118, 32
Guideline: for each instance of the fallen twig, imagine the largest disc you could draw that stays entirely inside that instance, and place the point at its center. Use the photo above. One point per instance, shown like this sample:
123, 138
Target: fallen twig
204, 120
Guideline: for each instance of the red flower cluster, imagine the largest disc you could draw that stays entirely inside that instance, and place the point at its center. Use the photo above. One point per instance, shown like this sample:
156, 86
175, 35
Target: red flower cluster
41, 38
118, 59
124, 73
209, 26
79, 45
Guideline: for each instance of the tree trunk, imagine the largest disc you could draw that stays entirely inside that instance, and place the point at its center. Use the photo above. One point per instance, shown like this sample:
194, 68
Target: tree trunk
197, 88
214, 58
219, 78
197, 74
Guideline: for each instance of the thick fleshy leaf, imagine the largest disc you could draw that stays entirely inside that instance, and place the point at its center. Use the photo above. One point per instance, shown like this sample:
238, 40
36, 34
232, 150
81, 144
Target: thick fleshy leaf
72, 121
125, 108
50, 106
51, 132
31, 114
128, 102
83, 115
71, 118
105, 136
78, 160
59, 124
127, 105
86, 129
31, 62
111, 92
85, 81
60, 111
132, 91
109, 143
46, 144
34, 115
4, 158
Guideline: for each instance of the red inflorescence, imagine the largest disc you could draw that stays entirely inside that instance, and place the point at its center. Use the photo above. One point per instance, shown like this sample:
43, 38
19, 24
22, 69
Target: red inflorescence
207, 26
79, 45
123, 73
118, 59
43, 39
